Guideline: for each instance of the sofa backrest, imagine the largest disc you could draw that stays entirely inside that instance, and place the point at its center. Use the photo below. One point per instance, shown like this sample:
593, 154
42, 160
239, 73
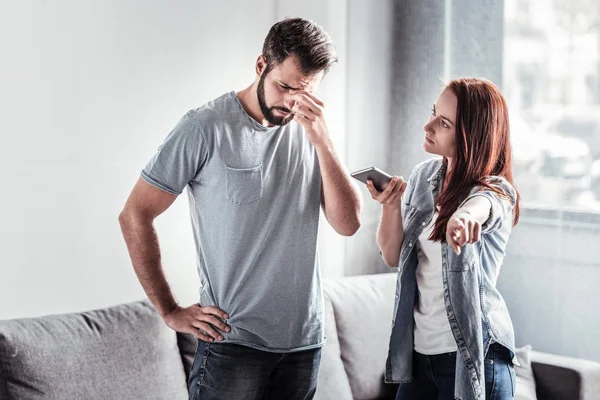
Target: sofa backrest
358, 326
127, 351
122, 352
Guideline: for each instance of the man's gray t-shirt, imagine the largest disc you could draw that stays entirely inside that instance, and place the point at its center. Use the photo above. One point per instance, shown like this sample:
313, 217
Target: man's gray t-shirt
254, 195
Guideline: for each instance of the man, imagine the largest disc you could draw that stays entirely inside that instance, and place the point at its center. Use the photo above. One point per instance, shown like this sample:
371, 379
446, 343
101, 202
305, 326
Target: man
258, 166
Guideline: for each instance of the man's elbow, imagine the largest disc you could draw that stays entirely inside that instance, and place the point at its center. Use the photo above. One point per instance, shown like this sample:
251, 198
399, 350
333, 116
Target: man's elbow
349, 228
352, 224
127, 217
124, 219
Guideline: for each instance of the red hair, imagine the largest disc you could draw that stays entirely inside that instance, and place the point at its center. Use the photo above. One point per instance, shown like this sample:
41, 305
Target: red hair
482, 147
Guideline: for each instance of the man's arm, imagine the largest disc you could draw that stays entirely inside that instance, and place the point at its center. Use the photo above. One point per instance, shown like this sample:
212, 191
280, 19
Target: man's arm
340, 198
144, 204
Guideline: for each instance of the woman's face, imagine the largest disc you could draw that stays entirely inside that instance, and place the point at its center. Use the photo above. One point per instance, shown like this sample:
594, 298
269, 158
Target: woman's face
440, 130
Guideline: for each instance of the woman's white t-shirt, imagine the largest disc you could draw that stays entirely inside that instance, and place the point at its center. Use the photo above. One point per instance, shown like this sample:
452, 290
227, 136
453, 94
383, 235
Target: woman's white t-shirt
432, 329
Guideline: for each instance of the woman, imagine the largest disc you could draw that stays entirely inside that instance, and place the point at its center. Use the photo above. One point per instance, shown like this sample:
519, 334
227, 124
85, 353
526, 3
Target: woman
447, 230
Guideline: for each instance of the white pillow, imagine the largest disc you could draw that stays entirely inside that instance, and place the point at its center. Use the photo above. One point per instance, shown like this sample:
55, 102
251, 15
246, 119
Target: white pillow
525, 379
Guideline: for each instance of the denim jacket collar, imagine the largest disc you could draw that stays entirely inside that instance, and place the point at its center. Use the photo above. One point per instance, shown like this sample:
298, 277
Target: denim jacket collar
438, 175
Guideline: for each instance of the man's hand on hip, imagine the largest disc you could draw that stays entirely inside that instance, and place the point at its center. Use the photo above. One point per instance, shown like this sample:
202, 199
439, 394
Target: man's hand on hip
201, 322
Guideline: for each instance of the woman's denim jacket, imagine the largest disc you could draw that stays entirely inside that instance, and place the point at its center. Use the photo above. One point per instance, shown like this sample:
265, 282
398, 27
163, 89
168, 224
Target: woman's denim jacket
476, 311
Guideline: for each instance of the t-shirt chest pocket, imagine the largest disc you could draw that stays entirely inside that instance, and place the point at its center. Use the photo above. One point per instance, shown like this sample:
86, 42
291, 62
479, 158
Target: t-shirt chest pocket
244, 185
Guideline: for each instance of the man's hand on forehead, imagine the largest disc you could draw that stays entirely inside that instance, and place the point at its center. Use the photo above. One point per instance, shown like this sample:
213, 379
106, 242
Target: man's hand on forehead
309, 112
307, 105
307, 99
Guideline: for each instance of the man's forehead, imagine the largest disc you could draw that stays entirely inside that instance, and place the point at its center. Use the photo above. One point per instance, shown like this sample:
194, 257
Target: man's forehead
289, 72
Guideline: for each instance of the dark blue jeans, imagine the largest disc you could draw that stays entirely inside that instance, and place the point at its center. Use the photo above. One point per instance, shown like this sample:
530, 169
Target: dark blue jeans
224, 371
433, 376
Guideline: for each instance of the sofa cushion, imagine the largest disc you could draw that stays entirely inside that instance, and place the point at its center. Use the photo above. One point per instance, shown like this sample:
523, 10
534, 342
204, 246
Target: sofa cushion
524, 372
333, 381
363, 307
122, 352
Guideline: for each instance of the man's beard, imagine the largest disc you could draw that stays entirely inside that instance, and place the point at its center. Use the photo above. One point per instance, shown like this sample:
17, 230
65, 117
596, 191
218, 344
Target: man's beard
268, 111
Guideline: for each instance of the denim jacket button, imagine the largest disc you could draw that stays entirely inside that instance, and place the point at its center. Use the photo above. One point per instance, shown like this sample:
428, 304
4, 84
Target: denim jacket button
424, 223
410, 245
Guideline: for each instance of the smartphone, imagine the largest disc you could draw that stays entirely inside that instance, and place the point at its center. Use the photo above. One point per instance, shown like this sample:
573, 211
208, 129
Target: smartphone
379, 178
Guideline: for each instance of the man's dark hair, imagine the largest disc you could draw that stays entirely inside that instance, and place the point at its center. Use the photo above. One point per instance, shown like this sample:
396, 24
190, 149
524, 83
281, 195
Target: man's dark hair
309, 42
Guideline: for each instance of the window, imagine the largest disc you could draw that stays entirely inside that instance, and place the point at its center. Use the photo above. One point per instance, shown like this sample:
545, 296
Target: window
552, 86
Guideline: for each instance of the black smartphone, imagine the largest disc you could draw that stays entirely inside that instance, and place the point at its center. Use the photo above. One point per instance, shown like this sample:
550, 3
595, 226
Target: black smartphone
379, 178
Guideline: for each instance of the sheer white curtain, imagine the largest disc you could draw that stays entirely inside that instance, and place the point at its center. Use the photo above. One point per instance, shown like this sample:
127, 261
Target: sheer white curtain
551, 75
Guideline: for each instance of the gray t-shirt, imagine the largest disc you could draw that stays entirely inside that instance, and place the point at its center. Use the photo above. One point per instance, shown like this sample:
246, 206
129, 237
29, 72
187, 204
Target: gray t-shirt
254, 195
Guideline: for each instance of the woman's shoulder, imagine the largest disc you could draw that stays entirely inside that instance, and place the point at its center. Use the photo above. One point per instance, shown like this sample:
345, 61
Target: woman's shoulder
427, 168
502, 184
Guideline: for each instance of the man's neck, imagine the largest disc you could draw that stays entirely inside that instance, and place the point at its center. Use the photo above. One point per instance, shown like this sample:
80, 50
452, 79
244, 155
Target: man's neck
249, 100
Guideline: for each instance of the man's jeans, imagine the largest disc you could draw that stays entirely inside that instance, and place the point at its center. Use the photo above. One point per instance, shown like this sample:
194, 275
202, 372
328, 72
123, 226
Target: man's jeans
224, 371
433, 376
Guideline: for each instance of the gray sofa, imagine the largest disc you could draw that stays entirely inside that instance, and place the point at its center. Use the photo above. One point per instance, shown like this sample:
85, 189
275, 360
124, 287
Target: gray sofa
126, 352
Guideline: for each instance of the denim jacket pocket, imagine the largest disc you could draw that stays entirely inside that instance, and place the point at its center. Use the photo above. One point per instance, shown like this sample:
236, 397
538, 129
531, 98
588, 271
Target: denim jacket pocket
409, 211
461, 265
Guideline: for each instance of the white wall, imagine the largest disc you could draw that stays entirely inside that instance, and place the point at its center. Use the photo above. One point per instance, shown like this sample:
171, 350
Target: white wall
88, 92
369, 60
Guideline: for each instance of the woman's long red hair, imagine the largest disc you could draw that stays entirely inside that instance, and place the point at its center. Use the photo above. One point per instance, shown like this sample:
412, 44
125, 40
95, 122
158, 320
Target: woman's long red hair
482, 147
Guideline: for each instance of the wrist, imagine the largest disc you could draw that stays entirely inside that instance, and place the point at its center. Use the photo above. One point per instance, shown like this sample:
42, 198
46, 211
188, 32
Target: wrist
169, 310
324, 145
392, 208
460, 211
